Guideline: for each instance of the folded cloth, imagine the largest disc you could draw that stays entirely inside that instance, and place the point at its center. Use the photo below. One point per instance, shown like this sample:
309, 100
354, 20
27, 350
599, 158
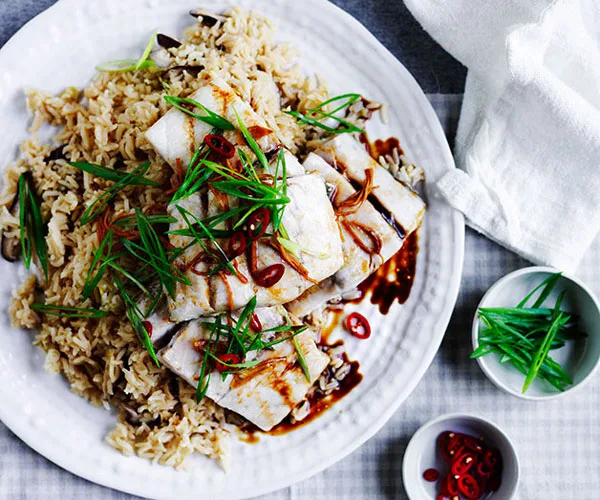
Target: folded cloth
528, 139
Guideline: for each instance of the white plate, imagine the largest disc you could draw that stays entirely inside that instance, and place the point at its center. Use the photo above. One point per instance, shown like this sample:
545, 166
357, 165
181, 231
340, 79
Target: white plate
59, 48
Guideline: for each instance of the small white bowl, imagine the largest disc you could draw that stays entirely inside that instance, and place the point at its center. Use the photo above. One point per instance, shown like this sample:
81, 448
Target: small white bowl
580, 359
422, 454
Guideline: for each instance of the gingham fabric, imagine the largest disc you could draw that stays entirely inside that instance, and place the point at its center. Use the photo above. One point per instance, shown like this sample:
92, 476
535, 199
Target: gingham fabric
558, 442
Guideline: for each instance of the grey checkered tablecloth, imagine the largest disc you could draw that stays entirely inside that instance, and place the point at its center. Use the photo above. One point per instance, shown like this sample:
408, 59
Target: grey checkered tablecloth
557, 441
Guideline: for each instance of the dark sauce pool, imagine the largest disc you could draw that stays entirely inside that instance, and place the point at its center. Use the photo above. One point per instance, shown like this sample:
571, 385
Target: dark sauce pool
393, 281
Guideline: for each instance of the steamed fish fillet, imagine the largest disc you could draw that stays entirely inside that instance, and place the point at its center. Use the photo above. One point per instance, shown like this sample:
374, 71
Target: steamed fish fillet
264, 394
358, 262
177, 135
311, 225
349, 156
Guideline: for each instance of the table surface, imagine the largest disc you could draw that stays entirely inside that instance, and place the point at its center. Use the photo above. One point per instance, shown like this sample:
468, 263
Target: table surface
556, 440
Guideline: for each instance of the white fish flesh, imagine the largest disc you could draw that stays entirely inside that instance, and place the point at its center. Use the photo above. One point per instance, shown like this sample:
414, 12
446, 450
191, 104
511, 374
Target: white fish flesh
349, 156
177, 135
264, 394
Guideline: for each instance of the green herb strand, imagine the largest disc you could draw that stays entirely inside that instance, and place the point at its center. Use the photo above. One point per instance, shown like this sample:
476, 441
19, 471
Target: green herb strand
69, 312
211, 118
110, 174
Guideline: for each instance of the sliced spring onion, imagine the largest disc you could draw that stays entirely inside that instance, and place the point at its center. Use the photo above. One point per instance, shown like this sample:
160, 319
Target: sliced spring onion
315, 115
135, 318
69, 312
111, 174
301, 359
296, 249
211, 118
187, 215
259, 153
204, 376
124, 65
247, 364
26, 247
540, 355
98, 205
144, 57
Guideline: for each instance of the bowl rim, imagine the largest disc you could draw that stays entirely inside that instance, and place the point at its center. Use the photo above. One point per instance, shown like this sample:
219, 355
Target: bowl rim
497, 381
411, 448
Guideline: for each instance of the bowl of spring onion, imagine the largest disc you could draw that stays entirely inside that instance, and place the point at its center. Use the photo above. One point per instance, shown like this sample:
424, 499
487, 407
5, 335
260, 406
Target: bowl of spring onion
536, 333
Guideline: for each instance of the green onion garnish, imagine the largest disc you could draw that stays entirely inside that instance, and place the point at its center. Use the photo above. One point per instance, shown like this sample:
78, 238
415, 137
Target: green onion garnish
188, 217
32, 229
26, 247
211, 118
122, 65
135, 317
98, 205
110, 174
315, 116
104, 250
69, 312
144, 58
204, 376
301, 359
524, 336
259, 153
151, 251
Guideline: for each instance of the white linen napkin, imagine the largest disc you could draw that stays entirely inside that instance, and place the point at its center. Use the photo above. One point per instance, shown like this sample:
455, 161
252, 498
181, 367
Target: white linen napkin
528, 140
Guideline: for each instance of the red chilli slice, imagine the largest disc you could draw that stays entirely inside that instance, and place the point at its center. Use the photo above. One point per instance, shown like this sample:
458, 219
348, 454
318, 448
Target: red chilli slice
449, 486
257, 223
148, 327
232, 359
431, 475
483, 470
490, 459
220, 145
469, 487
236, 245
255, 323
358, 326
269, 276
463, 463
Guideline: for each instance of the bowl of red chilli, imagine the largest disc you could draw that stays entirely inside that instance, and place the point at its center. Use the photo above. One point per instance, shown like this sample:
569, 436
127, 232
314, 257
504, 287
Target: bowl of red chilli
423, 456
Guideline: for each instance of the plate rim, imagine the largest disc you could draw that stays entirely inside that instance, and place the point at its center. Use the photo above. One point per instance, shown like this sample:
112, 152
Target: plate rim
58, 458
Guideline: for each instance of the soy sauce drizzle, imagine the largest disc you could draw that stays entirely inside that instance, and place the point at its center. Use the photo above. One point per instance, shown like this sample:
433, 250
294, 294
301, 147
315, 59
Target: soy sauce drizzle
385, 213
394, 280
319, 403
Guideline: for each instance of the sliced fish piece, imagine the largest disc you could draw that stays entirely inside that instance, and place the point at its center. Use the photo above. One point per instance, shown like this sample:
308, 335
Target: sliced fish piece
292, 165
311, 225
404, 208
177, 135
360, 258
264, 394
